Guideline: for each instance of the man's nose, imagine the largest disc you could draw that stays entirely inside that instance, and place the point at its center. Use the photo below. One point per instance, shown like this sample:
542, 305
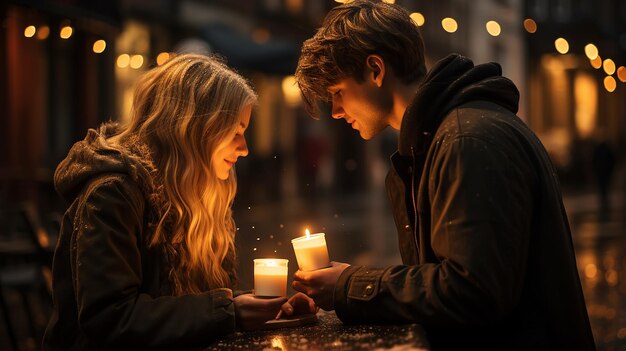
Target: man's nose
337, 111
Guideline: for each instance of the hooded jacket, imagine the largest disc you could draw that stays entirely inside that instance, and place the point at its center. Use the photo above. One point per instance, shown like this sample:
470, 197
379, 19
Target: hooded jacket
485, 241
110, 289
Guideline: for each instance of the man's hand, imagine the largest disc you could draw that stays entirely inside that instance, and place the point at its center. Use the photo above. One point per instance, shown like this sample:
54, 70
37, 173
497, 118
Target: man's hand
252, 312
320, 284
297, 304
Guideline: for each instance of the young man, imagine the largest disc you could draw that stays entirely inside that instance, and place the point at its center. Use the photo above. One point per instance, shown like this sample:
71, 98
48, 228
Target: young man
488, 257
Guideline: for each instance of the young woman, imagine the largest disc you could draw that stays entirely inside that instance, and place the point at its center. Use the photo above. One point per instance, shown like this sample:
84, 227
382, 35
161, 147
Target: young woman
146, 255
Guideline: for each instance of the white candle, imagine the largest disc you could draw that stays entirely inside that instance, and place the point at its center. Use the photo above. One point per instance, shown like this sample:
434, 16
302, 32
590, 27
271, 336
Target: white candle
311, 251
270, 277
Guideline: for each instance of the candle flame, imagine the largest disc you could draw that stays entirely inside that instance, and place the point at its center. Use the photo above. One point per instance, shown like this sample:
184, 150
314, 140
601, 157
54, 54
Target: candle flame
306, 231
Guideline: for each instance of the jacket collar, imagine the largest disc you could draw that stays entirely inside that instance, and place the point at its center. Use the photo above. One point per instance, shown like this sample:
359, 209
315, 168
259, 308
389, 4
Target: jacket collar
453, 81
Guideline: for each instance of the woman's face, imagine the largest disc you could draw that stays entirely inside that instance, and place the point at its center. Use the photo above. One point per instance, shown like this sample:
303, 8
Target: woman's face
233, 147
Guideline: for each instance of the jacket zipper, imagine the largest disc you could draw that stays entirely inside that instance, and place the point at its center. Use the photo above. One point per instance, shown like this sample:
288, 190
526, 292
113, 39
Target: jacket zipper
417, 247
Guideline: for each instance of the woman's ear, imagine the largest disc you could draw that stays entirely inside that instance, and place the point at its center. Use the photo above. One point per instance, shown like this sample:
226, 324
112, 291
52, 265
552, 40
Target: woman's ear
375, 69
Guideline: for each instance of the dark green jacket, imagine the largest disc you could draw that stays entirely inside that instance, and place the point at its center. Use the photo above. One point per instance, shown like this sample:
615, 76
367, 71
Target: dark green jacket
488, 257
109, 287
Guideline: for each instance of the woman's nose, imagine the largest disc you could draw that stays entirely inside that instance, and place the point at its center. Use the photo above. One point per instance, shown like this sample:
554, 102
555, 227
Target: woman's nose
242, 148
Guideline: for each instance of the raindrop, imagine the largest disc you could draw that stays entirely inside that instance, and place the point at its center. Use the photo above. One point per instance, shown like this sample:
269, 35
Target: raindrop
336, 215
248, 207
257, 239
275, 156
252, 227
254, 249
282, 226
280, 243
237, 228
271, 236
274, 251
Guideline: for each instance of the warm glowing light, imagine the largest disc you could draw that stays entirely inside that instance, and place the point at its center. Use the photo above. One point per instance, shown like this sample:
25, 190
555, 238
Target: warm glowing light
561, 45
30, 31
291, 92
343, 1
586, 103
610, 84
591, 271
66, 32
611, 277
390, 1
449, 24
621, 74
123, 60
43, 32
279, 343
99, 46
136, 61
162, 58
530, 25
261, 35
596, 62
609, 66
307, 232
493, 28
418, 18
591, 51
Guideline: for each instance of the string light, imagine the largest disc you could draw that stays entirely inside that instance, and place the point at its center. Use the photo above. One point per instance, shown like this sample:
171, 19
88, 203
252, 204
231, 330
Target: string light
99, 46
43, 32
29, 31
66, 32
449, 24
162, 58
136, 61
418, 18
493, 28
561, 45
609, 66
610, 84
596, 62
591, 51
123, 60
621, 74
530, 25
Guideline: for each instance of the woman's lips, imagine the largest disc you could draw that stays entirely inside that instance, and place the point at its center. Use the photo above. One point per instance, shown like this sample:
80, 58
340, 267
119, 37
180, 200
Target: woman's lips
230, 163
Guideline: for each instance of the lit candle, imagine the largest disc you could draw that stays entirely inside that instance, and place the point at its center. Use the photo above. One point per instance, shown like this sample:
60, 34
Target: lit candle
270, 277
311, 251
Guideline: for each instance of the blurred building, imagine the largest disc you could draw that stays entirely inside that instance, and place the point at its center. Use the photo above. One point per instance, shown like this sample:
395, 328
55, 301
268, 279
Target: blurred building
69, 65
576, 54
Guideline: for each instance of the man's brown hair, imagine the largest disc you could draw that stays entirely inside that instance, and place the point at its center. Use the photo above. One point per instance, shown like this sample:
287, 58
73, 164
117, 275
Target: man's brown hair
350, 33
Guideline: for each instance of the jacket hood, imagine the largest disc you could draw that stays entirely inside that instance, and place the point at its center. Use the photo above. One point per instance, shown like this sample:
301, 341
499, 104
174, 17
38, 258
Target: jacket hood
95, 156
452, 82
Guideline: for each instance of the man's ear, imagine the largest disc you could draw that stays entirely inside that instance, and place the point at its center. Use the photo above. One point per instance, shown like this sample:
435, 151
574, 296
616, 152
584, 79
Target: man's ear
375, 69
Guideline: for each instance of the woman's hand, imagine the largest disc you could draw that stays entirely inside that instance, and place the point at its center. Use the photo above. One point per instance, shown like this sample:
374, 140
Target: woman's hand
299, 303
252, 312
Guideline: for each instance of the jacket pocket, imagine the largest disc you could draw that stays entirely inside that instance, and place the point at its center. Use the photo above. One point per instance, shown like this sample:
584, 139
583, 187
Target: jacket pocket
365, 284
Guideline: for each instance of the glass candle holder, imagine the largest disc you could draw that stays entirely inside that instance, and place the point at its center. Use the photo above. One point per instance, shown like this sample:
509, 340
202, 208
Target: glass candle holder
270, 276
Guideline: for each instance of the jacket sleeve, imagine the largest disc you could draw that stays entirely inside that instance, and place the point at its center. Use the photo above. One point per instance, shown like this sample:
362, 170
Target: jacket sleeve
107, 277
480, 202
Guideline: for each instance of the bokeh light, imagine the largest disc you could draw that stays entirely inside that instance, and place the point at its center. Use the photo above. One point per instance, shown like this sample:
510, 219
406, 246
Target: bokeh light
449, 25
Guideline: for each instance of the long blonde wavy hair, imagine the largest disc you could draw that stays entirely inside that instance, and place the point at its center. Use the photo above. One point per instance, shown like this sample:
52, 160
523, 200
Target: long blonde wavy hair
182, 111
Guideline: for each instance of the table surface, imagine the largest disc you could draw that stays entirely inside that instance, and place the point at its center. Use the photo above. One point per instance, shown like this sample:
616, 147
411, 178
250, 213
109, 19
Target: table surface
328, 334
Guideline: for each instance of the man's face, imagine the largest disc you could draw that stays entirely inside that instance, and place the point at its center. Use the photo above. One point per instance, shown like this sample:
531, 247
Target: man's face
365, 106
